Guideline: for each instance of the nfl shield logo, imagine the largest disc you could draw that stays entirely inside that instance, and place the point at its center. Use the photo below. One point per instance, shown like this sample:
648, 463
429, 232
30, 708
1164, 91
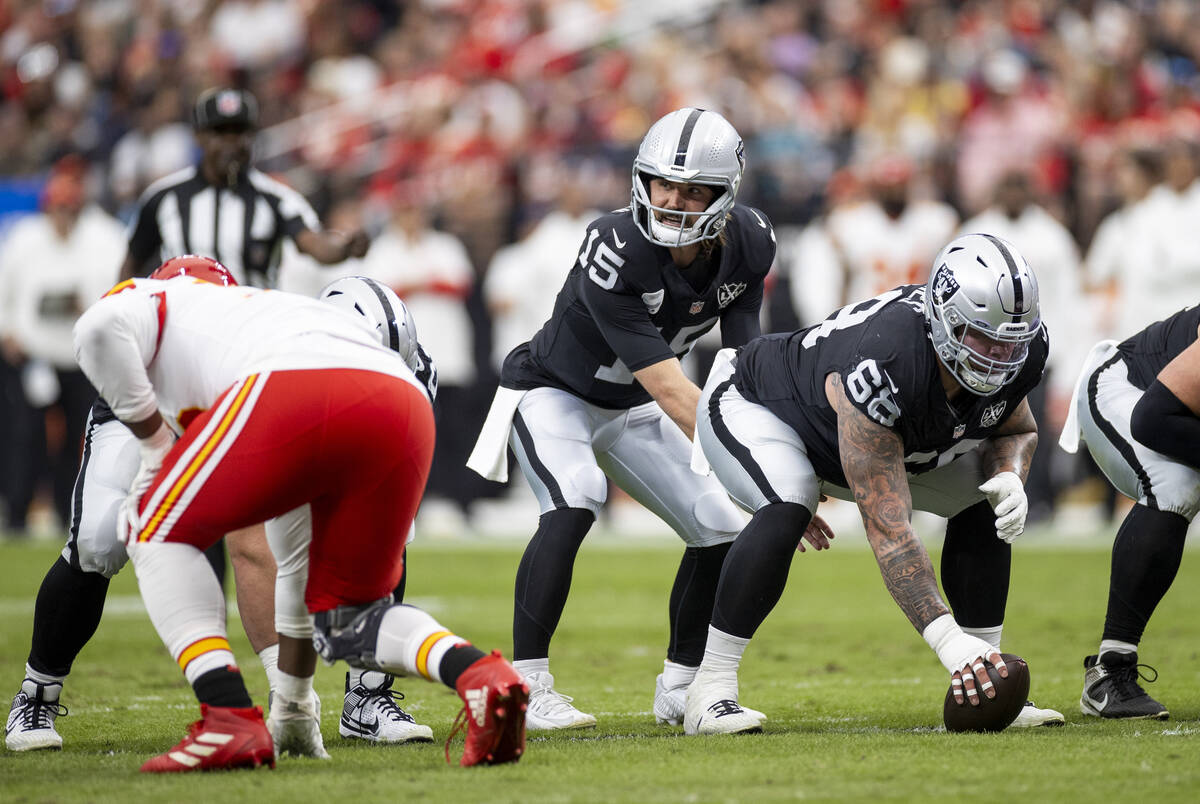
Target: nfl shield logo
959, 430
229, 103
696, 307
992, 414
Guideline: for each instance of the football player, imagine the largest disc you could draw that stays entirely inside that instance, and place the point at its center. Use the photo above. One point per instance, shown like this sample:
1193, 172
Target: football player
912, 399
297, 409
1137, 406
599, 394
71, 600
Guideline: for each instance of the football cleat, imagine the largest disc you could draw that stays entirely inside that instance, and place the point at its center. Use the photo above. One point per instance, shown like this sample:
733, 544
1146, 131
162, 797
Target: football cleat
31, 719
1031, 716
223, 738
1111, 689
712, 707
295, 727
371, 712
670, 704
495, 699
550, 710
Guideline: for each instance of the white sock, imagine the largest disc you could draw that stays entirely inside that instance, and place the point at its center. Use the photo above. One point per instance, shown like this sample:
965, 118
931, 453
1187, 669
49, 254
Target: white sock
371, 679
527, 666
294, 688
42, 678
1116, 646
990, 634
410, 641
185, 604
677, 675
723, 652
269, 656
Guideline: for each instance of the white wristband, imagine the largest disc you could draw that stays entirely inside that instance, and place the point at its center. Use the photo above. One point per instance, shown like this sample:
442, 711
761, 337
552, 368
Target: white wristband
156, 445
939, 632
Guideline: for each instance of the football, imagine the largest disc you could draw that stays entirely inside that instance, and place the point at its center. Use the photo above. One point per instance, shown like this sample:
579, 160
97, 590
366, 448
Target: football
992, 714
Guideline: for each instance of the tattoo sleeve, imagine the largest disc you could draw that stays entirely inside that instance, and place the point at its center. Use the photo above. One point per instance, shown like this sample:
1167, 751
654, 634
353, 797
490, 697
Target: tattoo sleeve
1010, 449
873, 461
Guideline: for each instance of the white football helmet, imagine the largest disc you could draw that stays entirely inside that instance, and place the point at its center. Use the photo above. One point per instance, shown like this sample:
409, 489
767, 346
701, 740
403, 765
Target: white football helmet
694, 146
380, 307
982, 295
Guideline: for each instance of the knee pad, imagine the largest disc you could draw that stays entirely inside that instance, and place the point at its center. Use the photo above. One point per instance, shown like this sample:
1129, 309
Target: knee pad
718, 518
591, 486
106, 559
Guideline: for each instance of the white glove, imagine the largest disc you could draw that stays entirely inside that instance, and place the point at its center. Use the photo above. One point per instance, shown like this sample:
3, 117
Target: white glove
1006, 493
154, 449
955, 649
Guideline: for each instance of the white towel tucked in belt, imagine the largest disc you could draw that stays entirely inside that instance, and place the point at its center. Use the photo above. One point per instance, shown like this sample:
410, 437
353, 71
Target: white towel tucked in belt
490, 456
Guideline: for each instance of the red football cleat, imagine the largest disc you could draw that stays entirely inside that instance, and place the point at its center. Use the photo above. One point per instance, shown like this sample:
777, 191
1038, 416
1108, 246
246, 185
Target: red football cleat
222, 739
494, 702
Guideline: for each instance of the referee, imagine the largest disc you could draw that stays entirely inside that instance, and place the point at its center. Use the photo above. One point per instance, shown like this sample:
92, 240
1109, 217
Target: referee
225, 209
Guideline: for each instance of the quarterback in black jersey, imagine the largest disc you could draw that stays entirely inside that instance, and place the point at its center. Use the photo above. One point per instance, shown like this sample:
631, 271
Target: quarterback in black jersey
1137, 405
599, 392
914, 399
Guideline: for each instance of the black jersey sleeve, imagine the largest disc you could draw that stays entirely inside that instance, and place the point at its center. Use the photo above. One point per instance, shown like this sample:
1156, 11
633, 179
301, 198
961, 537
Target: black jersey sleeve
623, 320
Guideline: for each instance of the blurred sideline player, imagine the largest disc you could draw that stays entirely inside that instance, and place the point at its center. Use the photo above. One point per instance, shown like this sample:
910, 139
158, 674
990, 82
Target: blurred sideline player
912, 399
1137, 406
71, 599
299, 408
599, 391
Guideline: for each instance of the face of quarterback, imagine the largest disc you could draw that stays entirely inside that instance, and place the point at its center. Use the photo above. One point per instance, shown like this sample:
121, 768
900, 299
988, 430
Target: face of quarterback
682, 197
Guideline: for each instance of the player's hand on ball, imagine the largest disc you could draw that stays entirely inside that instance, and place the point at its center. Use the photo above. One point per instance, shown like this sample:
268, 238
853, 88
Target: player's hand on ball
971, 678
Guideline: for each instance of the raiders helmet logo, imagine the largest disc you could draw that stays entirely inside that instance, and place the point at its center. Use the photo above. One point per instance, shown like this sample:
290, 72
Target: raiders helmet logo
944, 284
992, 414
728, 292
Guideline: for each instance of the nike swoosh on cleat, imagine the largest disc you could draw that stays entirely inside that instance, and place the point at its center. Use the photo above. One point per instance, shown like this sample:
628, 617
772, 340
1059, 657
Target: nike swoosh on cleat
1099, 705
360, 727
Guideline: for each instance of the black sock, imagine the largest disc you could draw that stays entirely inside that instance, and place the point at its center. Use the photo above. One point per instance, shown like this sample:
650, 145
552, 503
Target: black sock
756, 569
1145, 558
692, 599
975, 567
222, 687
66, 615
398, 592
456, 661
544, 579
216, 559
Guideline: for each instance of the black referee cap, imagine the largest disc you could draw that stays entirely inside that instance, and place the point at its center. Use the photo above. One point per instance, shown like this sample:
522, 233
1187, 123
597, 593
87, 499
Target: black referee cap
225, 109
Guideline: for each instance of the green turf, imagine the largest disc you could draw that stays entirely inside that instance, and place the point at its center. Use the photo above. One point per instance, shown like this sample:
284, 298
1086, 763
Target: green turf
852, 693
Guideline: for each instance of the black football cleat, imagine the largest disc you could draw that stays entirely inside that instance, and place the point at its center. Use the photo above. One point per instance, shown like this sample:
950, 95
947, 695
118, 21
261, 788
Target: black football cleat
1111, 689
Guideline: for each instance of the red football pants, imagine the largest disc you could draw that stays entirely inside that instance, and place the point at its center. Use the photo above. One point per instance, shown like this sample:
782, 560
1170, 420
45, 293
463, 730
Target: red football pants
356, 445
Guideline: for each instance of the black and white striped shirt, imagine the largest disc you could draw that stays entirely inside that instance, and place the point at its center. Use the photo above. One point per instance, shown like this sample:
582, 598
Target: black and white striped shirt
241, 227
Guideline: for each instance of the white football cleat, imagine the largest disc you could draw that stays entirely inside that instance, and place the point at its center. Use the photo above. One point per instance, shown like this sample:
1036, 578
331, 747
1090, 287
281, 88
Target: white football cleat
370, 712
670, 705
295, 727
31, 719
712, 707
550, 710
1031, 716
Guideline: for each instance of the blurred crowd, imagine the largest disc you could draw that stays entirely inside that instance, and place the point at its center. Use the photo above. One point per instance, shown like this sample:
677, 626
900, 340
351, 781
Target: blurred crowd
474, 138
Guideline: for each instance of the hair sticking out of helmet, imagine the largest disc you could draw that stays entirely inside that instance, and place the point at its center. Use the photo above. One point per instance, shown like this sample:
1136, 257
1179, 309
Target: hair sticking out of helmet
203, 268
981, 303
381, 310
690, 146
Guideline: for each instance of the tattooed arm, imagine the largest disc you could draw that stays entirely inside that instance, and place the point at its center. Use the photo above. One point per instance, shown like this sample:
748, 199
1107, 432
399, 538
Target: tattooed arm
1010, 449
873, 461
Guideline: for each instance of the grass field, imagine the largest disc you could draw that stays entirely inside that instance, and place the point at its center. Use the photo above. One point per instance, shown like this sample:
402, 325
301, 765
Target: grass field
852, 693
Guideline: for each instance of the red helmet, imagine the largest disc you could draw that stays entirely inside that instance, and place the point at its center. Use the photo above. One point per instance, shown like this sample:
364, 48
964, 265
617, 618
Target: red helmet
197, 267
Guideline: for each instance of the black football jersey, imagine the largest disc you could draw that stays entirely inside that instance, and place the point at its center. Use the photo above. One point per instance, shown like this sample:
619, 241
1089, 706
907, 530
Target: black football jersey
625, 305
889, 370
1149, 351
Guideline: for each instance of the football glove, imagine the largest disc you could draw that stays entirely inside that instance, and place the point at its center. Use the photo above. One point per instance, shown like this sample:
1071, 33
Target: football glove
1006, 493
